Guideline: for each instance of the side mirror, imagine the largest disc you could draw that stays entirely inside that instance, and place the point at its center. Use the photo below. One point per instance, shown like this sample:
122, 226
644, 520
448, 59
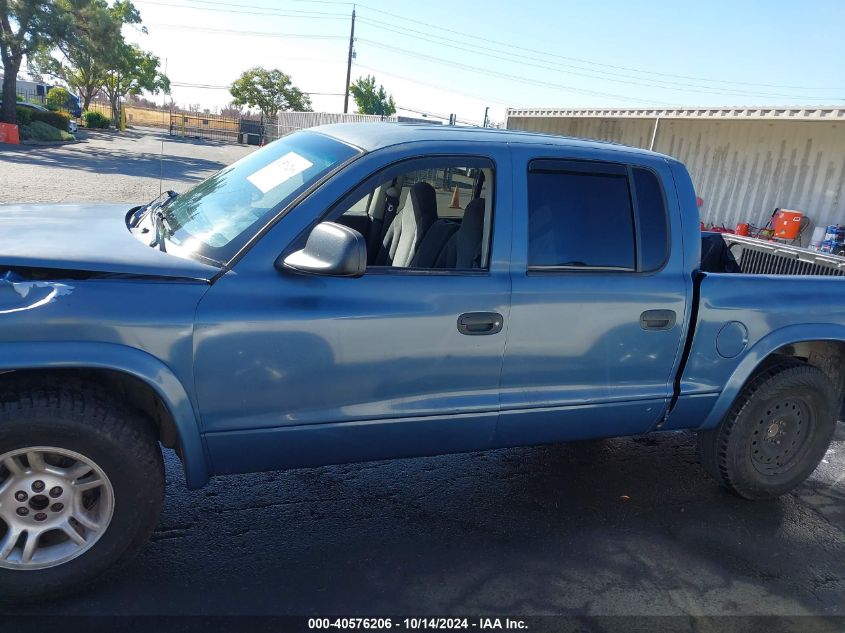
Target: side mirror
331, 249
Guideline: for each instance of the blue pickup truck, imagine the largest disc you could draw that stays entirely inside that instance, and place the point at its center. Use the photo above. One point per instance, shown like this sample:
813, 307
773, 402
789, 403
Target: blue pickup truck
374, 291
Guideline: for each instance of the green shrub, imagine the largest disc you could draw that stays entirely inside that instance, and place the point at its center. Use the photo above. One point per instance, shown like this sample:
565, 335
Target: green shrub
40, 131
58, 120
58, 99
96, 120
24, 115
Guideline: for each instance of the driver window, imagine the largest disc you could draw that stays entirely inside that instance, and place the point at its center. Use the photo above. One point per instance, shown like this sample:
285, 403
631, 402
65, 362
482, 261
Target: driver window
361, 207
433, 217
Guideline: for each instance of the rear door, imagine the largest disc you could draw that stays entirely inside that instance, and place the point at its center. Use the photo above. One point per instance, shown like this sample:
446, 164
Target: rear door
598, 297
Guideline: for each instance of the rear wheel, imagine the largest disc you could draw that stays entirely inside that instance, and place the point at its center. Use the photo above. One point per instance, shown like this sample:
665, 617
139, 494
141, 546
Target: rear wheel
81, 486
775, 434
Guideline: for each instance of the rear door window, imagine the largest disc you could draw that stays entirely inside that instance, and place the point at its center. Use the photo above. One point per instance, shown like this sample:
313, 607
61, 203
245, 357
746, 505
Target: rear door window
580, 216
653, 221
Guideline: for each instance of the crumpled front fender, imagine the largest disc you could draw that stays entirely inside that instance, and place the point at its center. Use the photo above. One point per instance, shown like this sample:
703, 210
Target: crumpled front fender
129, 360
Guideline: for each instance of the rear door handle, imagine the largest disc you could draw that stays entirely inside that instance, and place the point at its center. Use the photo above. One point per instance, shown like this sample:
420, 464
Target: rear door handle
479, 323
657, 320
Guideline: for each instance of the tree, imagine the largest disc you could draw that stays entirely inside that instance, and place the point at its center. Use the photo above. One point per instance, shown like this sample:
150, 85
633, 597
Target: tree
58, 98
85, 54
141, 102
271, 91
231, 111
130, 72
371, 100
26, 26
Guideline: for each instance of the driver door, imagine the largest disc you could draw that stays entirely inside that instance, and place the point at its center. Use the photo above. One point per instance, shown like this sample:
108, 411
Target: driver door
296, 370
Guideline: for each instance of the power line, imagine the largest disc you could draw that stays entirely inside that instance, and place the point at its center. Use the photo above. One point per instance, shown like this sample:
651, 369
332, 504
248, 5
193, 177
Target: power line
433, 28
511, 45
202, 29
320, 37
492, 52
585, 72
185, 84
264, 11
435, 86
344, 2
340, 37
515, 78
246, 6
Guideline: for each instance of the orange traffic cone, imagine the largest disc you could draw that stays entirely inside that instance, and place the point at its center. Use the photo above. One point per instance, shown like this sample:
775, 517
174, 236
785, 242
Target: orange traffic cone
456, 198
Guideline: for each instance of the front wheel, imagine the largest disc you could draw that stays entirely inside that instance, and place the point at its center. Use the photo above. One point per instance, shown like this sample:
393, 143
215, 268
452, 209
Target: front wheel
775, 434
81, 486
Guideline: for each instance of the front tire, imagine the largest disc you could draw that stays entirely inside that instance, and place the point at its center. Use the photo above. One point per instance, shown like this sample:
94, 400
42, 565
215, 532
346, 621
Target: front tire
81, 485
775, 434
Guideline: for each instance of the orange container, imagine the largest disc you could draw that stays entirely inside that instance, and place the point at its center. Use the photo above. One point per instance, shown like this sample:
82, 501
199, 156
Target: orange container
787, 224
9, 134
742, 228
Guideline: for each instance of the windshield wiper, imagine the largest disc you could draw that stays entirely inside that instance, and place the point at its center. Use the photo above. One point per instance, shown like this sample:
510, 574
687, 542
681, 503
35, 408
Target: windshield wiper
141, 212
162, 225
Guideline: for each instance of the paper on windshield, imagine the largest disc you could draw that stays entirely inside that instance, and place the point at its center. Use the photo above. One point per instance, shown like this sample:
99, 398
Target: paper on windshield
282, 169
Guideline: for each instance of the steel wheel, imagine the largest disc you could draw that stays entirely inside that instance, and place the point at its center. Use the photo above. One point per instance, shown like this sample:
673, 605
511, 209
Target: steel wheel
55, 504
781, 436
776, 432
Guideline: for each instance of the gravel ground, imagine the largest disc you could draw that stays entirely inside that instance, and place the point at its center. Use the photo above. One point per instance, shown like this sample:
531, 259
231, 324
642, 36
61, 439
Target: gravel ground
542, 530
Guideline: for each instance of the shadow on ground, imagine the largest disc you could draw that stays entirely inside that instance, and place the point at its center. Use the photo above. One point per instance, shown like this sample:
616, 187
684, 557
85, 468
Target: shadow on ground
628, 526
118, 161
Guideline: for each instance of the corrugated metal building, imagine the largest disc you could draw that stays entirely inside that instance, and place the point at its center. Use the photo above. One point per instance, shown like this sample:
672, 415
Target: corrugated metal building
745, 162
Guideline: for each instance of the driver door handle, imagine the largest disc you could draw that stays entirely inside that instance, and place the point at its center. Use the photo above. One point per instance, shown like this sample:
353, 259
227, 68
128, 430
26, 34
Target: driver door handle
480, 323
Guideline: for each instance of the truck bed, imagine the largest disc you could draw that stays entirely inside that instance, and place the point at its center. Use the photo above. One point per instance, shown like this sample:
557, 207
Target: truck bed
728, 253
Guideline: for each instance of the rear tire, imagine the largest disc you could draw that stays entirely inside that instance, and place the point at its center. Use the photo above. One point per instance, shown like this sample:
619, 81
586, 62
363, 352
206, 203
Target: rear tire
91, 463
775, 434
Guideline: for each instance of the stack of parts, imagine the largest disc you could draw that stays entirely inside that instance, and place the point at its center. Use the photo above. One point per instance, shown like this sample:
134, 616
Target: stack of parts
834, 240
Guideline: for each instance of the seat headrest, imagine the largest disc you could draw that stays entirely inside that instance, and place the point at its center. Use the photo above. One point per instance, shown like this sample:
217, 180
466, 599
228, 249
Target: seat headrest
473, 222
470, 235
424, 200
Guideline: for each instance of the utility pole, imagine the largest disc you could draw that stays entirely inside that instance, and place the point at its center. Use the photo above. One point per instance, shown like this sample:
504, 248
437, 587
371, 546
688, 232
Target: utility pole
349, 64
486, 110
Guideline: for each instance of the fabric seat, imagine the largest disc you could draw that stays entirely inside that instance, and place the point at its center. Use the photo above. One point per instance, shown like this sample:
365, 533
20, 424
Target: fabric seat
433, 243
409, 227
463, 250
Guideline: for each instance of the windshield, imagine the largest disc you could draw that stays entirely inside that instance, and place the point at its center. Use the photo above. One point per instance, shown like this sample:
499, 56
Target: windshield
218, 216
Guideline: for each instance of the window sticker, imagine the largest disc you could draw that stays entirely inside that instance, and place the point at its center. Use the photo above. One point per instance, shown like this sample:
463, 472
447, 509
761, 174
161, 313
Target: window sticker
282, 169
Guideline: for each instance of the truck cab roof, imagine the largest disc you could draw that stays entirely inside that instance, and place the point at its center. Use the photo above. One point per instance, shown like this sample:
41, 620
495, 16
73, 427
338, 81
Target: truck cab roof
373, 136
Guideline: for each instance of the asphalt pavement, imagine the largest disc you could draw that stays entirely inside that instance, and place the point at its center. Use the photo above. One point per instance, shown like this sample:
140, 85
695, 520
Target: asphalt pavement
108, 167
615, 527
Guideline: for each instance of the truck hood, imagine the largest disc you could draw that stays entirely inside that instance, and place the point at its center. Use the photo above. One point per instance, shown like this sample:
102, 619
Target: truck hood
88, 238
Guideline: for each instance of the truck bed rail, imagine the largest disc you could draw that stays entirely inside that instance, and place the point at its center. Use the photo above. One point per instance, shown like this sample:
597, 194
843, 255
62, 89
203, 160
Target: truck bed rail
759, 257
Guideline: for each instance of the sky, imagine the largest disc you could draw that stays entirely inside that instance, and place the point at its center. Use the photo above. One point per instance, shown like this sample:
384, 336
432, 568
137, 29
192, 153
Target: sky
440, 57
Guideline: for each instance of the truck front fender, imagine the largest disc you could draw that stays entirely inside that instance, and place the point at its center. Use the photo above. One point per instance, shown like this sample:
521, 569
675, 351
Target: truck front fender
761, 350
128, 360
